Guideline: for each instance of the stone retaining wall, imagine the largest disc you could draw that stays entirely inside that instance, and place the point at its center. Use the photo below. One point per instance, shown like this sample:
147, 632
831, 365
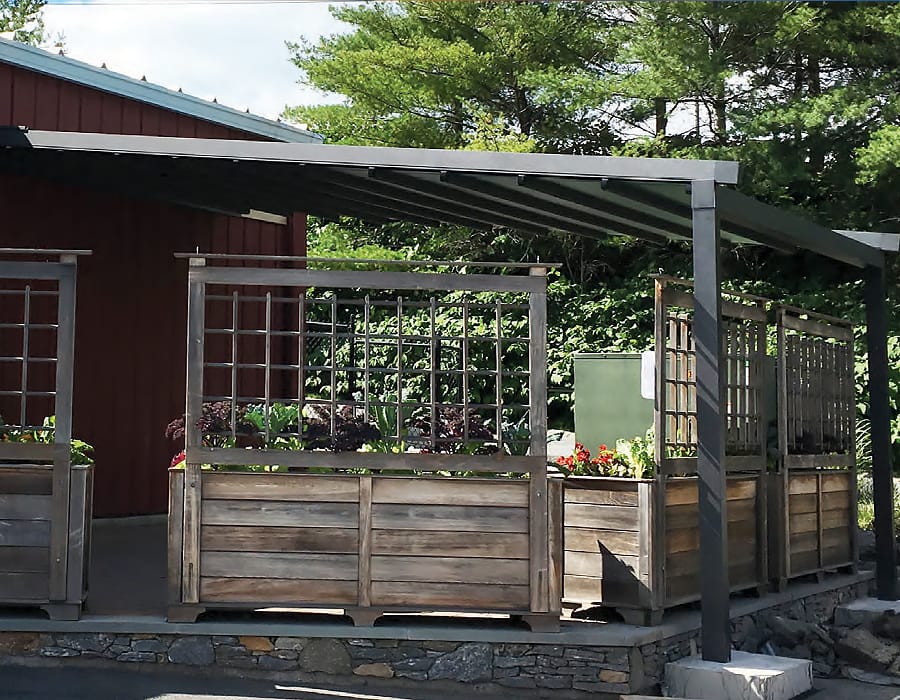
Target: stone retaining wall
521, 666
558, 671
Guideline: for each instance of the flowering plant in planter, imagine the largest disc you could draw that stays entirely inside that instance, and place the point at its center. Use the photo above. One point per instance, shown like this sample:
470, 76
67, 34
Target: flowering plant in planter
631, 458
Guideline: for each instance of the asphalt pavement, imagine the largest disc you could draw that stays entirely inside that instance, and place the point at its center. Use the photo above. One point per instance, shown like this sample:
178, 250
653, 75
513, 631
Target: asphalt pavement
86, 683
81, 683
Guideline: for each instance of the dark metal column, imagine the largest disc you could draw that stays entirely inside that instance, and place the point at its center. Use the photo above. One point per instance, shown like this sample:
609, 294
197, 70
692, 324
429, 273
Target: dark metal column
715, 635
880, 417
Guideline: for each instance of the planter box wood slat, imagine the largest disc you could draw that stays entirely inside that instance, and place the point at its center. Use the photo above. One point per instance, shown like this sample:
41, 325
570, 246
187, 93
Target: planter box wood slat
404, 543
643, 558
27, 519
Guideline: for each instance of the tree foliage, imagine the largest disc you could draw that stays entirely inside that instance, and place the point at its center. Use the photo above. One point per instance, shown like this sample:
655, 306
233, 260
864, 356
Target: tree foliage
806, 95
23, 19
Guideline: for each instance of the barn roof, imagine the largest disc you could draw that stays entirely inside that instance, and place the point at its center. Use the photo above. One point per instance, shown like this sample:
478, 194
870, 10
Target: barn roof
647, 198
65, 68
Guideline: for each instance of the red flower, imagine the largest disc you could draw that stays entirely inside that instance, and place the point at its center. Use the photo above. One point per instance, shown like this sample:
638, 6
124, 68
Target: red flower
177, 459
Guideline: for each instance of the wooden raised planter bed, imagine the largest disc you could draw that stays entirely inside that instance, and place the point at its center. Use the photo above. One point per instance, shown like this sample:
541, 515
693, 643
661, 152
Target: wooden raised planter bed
633, 545
813, 522
367, 544
44, 540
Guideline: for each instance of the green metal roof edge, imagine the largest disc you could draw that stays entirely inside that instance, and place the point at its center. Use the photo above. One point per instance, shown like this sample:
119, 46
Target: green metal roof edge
69, 69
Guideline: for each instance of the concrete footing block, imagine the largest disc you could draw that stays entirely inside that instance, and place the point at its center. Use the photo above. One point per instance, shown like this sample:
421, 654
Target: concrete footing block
745, 677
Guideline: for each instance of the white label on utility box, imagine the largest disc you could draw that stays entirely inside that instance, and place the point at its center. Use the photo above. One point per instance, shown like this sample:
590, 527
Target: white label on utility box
648, 374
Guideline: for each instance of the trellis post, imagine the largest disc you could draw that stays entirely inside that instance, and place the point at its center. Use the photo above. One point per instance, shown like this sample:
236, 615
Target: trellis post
880, 416
714, 588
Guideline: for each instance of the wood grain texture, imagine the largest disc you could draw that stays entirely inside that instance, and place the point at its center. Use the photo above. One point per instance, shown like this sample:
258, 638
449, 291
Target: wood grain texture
24, 586
268, 565
604, 493
279, 513
450, 570
280, 487
458, 492
25, 560
286, 592
227, 538
601, 517
25, 507
449, 596
625, 542
450, 544
25, 533
605, 566
37, 481
451, 518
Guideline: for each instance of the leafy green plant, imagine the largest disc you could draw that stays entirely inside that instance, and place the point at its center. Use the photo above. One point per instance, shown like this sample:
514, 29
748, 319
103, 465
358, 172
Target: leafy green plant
81, 452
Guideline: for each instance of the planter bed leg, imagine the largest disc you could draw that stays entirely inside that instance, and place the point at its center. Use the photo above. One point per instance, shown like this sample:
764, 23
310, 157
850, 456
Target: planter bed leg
184, 613
541, 623
779, 584
641, 618
363, 617
62, 611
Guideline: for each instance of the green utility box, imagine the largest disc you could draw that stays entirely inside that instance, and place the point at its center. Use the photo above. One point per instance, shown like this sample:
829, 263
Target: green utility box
608, 401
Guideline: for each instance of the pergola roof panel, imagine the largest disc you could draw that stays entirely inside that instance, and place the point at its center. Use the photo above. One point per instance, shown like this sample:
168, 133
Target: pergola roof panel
596, 196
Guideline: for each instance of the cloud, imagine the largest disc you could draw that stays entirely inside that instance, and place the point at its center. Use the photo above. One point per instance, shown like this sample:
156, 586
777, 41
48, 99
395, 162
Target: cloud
235, 53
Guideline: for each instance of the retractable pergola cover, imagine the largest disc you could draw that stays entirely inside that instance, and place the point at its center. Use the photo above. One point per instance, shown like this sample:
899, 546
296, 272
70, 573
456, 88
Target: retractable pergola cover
648, 198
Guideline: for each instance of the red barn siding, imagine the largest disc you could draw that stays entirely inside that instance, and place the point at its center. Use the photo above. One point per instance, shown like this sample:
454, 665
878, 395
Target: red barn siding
131, 315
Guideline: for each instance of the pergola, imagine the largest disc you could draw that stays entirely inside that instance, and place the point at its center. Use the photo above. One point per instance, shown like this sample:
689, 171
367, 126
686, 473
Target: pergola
651, 199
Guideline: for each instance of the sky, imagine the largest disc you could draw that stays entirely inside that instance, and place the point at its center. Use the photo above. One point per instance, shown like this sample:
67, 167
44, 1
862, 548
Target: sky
233, 52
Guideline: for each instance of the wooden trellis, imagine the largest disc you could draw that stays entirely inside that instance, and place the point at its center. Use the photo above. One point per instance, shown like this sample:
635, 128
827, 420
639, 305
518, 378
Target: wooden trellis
744, 352
384, 530
45, 501
815, 488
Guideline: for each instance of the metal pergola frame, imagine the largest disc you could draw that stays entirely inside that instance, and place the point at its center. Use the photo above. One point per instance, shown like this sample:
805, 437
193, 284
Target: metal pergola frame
652, 199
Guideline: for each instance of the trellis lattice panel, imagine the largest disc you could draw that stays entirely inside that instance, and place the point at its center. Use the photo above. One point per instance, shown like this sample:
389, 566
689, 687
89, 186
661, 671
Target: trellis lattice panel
437, 379
742, 361
45, 502
813, 495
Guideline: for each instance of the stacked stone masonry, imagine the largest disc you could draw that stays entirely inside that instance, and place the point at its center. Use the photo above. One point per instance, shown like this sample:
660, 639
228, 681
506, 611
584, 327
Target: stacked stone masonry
798, 628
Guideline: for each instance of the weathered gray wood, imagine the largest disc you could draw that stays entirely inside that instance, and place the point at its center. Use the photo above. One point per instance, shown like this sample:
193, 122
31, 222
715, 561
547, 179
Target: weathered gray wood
280, 513
277, 592
556, 539
193, 490
415, 595
363, 279
62, 434
539, 558
606, 517
822, 330
817, 461
280, 487
459, 492
25, 560
239, 538
338, 567
625, 542
499, 462
25, 507
28, 451
79, 533
32, 480
450, 570
450, 544
451, 518
25, 533
16, 587
175, 536
364, 558
600, 495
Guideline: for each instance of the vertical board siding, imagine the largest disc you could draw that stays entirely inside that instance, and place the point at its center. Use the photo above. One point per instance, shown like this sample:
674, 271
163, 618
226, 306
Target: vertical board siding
131, 314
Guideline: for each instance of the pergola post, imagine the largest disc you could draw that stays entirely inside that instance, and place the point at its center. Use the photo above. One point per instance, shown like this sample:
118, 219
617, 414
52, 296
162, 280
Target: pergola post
715, 634
880, 417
